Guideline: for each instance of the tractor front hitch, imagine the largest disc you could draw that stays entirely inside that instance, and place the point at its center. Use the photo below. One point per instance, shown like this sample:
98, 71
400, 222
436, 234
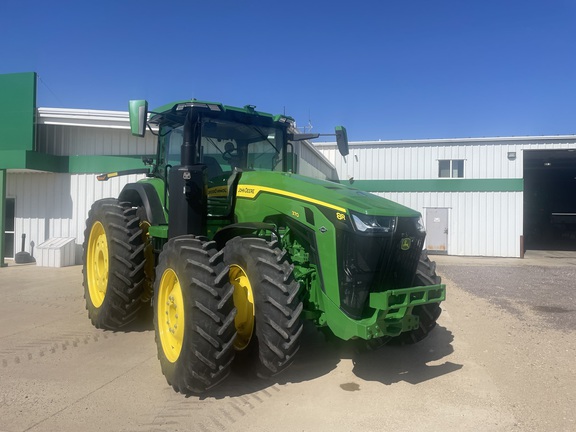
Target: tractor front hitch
391, 315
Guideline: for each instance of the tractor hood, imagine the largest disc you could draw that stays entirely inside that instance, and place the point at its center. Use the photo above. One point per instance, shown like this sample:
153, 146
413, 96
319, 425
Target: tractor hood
320, 192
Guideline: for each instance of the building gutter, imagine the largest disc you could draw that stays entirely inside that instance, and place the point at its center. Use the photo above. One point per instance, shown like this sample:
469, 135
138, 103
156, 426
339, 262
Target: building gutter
456, 141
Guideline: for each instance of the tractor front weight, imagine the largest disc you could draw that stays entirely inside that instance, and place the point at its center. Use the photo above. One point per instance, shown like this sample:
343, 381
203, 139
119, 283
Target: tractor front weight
391, 317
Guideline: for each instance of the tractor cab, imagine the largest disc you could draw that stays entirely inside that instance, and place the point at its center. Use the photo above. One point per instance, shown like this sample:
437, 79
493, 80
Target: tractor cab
222, 138
203, 148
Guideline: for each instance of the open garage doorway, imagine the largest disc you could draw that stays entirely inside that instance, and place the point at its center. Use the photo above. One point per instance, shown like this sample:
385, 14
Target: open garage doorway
550, 199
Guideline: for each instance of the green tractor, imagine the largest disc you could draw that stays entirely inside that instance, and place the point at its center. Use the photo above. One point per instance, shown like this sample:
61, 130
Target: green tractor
235, 250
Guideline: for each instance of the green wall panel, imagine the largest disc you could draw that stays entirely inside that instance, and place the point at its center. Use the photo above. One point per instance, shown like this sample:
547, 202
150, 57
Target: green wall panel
12, 159
441, 185
17, 111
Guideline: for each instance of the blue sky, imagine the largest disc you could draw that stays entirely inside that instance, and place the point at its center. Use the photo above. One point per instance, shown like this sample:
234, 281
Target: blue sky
385, 69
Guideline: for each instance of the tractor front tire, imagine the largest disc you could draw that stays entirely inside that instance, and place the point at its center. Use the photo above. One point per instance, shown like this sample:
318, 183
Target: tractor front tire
428, 314
113, 271
193, 314
267, 297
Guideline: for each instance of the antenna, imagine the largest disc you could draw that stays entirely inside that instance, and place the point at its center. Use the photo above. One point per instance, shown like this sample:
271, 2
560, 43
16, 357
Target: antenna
309, 126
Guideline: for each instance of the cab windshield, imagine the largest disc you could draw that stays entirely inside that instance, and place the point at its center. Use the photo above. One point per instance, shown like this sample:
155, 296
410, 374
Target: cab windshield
245, 146
225, 145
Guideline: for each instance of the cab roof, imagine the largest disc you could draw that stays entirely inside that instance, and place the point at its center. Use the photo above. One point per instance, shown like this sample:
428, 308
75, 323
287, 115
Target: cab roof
180, 106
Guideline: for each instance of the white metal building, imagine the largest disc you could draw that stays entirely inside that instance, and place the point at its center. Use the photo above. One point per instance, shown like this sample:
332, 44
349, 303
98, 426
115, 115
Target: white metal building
47, 205
478, 196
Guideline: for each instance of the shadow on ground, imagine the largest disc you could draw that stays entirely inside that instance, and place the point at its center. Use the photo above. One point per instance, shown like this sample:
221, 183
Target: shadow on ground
409, 363
319, 355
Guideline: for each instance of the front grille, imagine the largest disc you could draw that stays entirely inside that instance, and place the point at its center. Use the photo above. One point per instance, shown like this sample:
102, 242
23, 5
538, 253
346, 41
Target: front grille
376, 263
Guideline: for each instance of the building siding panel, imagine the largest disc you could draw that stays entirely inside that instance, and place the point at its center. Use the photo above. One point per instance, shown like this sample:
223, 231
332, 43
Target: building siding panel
66, 140
52, 205
480, 223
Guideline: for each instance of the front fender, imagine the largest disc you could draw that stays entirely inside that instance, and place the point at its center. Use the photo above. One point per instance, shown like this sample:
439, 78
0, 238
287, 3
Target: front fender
145, 195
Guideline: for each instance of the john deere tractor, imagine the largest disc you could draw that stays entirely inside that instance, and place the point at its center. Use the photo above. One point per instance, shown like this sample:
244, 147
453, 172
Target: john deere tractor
235, 249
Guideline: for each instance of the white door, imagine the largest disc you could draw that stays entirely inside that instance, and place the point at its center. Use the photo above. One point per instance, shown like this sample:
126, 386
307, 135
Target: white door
437, 230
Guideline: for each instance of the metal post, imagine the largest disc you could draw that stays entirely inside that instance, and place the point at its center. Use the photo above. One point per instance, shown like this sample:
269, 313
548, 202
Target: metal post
2, 214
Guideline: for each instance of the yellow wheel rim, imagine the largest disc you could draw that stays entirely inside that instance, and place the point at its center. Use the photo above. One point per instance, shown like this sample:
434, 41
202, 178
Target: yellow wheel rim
97, 264
244, 303
170, 315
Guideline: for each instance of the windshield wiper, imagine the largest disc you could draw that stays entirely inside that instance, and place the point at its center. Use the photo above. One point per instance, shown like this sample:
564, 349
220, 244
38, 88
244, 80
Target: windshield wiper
265, 136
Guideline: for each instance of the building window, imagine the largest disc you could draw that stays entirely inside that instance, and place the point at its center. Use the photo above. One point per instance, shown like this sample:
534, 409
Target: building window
451, 168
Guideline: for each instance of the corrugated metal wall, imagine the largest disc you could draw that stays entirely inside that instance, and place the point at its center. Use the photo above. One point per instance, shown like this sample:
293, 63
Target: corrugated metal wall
398, 160
64, 140
313, 163
420, 162
52, 205
480, 223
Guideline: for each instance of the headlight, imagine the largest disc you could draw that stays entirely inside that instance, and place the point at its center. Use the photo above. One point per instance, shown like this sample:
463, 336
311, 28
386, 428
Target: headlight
374, 224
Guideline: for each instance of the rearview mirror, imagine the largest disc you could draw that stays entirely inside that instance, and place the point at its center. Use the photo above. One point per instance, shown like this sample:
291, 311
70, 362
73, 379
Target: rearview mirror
138, 111
342, 140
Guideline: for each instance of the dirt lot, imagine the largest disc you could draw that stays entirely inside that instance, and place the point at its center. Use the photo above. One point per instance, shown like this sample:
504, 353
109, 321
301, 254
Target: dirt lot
501, 359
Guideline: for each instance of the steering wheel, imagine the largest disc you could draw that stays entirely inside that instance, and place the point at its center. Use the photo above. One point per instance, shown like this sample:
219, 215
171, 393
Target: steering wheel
229, 149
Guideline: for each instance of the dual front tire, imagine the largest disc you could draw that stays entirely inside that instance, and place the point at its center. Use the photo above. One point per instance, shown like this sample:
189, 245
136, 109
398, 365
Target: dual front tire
211, 306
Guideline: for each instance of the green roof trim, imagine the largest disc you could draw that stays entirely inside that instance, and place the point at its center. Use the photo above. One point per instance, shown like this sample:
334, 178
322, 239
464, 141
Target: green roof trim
103, 164
22, 159
26, 159
45, 162
441, 185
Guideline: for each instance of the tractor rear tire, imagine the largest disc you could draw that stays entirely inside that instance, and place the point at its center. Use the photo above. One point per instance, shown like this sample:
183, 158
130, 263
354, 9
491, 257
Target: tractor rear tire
264, 287
193, 314
428, 314
114, 262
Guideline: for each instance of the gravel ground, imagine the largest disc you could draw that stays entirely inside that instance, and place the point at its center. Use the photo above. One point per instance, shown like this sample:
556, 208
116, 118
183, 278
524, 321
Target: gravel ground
550, 292
500, 359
